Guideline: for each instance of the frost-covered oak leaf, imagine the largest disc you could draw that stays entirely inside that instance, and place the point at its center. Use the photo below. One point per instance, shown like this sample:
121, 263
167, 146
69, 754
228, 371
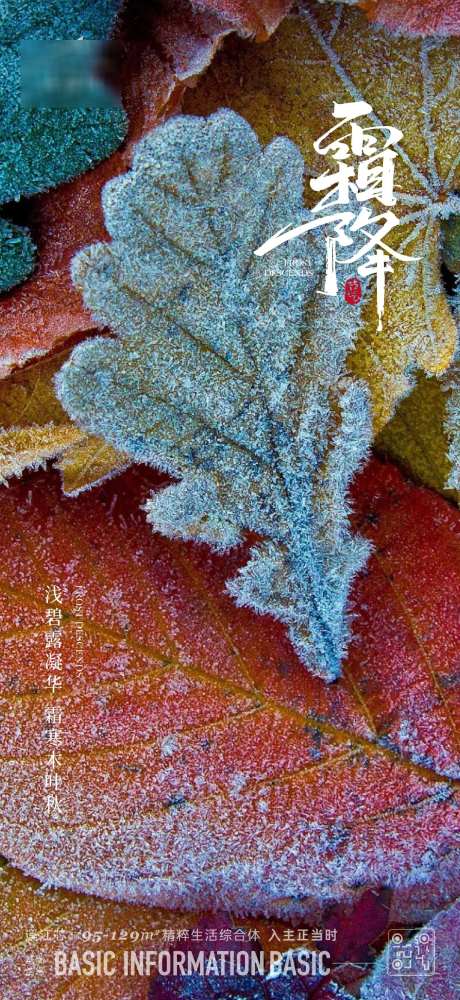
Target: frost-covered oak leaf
199, 769
42, 147
226, 372
35, 428
289, 86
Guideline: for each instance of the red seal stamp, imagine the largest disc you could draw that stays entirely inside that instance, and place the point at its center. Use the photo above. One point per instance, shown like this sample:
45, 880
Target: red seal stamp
352, 291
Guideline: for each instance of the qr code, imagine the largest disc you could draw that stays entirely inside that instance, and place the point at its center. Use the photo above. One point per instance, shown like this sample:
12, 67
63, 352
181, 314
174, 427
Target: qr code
414, 956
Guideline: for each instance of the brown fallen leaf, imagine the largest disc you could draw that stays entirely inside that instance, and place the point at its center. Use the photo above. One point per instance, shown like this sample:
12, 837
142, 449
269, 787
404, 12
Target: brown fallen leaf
288, 87
35, 428
201, 766
163, 49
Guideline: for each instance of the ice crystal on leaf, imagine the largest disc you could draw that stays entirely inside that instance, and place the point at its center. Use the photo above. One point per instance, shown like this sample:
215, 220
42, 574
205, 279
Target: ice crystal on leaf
227, 368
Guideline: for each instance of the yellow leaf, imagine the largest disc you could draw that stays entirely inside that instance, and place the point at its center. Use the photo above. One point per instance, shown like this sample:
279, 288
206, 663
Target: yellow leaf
89, 461
288, 86
30, 447
27, 398
416, 436
35, 428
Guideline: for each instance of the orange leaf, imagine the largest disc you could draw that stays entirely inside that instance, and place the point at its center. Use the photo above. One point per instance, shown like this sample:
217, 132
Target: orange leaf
34, 924
163, 52
202, 767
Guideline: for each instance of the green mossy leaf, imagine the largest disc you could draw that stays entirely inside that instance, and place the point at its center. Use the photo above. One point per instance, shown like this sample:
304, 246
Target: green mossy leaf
42, 147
